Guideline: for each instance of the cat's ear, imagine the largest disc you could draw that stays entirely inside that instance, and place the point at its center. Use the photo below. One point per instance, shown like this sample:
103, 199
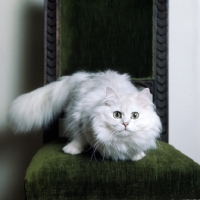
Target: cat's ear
111, 96
144, 97
110, 93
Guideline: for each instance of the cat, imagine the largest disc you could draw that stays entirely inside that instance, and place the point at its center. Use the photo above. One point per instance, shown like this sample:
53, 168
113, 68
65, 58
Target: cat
103, 109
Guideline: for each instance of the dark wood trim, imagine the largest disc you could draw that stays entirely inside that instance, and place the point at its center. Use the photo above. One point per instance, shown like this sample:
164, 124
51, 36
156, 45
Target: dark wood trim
161, 64
50, 59
50, 41
158, 86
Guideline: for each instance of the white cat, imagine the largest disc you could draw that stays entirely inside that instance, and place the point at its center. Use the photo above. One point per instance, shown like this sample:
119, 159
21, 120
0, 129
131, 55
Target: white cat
104, 110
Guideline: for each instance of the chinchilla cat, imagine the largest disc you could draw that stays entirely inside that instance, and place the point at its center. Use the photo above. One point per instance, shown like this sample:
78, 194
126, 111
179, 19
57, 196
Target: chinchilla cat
104, 110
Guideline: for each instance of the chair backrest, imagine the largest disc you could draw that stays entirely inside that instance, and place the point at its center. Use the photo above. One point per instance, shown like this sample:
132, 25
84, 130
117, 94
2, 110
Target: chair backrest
128, 36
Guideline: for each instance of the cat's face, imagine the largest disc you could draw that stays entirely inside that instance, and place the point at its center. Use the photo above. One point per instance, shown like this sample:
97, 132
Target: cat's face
124, 116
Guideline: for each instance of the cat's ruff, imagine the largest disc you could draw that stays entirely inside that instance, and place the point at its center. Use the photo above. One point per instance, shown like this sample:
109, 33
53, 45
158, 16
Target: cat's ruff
104, 110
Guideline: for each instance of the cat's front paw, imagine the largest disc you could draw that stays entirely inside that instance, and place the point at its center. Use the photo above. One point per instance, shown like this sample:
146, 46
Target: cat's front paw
138, 156
71, 149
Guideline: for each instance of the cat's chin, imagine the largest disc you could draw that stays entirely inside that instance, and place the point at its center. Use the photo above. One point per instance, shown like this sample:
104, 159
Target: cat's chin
124, 133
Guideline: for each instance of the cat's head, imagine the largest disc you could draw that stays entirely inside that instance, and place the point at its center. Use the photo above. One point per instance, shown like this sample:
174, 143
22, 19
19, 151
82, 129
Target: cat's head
122, 116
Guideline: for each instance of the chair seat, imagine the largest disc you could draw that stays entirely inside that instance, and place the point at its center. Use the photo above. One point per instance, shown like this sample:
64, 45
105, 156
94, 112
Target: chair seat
165, 173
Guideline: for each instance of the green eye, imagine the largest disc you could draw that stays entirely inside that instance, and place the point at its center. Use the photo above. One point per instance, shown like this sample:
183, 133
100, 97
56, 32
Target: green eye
117, 115
134, 115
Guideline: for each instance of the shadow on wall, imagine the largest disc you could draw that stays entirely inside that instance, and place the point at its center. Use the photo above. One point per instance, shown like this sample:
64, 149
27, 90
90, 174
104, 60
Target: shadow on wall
33, 55
16, 151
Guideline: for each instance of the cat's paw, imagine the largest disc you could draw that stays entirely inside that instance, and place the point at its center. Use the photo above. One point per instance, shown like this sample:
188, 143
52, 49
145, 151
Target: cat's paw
138, 156
71, 149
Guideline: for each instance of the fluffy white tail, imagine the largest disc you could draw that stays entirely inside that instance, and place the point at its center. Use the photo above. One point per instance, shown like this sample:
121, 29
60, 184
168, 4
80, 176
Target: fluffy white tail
33, 110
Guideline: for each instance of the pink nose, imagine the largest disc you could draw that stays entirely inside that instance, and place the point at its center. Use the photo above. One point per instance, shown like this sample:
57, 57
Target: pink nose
125, 124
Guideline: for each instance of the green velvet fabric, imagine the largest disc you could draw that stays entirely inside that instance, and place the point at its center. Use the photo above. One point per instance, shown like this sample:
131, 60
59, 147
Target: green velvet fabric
104, 34
165, 173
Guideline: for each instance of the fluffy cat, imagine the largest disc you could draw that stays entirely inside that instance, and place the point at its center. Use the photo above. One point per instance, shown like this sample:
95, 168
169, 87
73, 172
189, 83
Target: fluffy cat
104, 110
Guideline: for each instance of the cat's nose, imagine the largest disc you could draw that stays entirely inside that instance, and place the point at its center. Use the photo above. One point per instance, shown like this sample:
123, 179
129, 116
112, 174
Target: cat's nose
125, 124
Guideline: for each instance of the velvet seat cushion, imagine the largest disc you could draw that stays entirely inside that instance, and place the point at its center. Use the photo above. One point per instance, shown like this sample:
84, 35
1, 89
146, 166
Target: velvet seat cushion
165, 173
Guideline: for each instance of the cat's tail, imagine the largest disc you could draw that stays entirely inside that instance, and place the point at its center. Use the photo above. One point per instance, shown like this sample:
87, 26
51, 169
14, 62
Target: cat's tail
32, 111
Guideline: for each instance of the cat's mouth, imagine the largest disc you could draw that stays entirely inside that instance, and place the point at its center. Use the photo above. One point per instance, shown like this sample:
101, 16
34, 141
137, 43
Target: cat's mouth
126, 128
121, 132
124, 133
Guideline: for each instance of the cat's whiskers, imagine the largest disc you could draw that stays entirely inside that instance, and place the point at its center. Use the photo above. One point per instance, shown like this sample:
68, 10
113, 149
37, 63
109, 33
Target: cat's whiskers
91, 146
107, 145
104, 152
95, 147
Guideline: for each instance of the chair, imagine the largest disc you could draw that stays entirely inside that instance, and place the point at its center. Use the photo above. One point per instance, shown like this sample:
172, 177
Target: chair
129, 36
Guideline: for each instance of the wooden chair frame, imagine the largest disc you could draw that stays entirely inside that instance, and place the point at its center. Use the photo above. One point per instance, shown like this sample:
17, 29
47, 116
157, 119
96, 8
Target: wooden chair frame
158, 86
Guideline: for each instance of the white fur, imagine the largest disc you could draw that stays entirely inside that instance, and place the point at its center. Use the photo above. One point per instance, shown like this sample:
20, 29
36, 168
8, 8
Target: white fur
89, 100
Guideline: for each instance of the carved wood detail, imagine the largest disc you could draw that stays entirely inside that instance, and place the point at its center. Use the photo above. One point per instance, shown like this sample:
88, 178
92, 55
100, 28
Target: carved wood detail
50, 41
161, 64
50, 56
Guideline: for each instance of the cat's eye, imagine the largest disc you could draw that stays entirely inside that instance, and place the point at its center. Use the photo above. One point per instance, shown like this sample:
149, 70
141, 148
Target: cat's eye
134, 115
117, 115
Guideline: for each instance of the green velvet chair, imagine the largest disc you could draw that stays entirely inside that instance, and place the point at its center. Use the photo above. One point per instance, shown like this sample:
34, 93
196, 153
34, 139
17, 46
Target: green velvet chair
128, 36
